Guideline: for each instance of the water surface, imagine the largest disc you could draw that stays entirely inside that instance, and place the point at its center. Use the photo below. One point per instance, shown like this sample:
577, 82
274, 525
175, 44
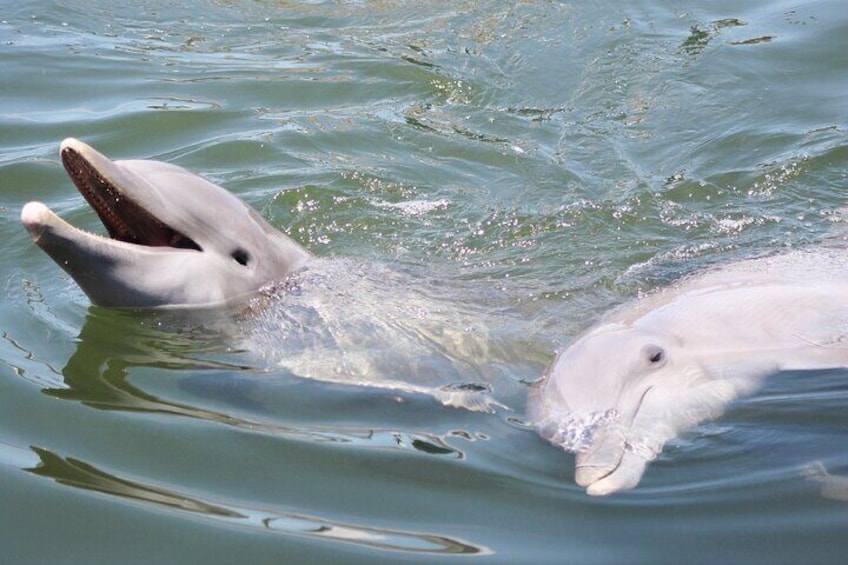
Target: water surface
528, 165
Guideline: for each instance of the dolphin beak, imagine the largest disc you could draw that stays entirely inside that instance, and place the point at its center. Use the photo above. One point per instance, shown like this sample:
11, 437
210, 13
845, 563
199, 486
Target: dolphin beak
36, 218
601, 458
609, 464
108, 188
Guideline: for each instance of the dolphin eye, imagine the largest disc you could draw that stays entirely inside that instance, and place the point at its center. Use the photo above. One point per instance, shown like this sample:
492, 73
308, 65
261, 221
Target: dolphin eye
655, 355
241, 257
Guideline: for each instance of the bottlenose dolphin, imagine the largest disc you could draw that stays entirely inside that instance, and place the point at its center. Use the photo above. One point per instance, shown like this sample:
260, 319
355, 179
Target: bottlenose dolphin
662, 364
175, 239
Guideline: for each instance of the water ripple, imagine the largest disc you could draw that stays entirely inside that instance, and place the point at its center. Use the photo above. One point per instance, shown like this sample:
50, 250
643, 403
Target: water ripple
80, 474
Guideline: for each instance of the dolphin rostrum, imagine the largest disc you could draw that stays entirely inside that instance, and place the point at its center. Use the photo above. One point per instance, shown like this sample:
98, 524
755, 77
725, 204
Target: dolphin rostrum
174, 238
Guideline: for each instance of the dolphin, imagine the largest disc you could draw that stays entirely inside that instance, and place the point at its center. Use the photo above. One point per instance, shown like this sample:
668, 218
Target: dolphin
665, 362
832, 487
178, 241
174, 239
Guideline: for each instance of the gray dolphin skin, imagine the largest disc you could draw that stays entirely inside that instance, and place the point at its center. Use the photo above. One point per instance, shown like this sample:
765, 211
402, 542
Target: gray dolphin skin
174, 238
661, 364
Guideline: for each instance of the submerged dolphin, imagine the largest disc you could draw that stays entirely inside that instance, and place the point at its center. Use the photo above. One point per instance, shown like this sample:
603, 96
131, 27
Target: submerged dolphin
175, 239
675, 358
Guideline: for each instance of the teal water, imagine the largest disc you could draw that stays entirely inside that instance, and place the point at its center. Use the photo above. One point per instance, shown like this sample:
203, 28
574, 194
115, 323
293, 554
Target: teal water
529, 164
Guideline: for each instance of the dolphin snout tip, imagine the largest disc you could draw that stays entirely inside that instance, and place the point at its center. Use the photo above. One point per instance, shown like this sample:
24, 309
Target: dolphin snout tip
70, 142
34, 216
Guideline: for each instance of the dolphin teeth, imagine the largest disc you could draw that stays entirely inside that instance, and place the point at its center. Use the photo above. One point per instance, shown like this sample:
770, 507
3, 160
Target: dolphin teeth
125, 220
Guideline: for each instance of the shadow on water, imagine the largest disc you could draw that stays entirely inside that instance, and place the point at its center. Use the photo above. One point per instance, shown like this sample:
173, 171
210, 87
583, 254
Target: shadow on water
79, 474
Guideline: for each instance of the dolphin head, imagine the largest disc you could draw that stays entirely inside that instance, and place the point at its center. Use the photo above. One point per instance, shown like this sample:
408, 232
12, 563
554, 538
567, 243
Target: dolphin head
615, 396
174, 238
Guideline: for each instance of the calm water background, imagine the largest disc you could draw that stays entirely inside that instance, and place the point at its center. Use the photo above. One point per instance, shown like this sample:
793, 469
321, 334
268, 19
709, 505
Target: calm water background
543, 161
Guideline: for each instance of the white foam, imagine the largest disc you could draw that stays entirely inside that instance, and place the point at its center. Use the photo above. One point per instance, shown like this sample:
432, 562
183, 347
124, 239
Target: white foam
575, 433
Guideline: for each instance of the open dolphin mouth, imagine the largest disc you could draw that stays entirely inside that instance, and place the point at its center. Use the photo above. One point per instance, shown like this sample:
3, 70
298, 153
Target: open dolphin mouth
125, 220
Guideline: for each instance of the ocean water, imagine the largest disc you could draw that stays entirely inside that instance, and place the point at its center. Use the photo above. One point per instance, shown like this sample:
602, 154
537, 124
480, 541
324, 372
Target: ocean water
523, 168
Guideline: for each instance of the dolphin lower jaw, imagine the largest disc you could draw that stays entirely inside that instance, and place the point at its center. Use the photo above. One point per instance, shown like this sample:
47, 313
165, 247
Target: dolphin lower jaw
92, 260
64, 242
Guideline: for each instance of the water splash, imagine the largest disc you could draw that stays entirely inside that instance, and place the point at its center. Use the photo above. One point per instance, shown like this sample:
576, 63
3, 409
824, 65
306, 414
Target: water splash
575, 433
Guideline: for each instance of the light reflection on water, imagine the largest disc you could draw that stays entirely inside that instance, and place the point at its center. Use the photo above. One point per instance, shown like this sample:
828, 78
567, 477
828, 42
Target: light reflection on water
79, 474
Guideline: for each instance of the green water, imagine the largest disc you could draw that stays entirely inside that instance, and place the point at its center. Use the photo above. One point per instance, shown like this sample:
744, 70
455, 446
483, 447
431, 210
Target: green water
536, 162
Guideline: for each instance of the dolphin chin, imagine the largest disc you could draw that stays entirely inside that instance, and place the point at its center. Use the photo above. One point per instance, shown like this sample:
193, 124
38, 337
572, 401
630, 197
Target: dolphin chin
601, 458
173, 238
601, 481
666, 362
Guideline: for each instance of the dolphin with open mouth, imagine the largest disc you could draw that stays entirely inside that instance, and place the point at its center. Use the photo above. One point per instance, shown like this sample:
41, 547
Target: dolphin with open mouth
174, 238
663, 363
